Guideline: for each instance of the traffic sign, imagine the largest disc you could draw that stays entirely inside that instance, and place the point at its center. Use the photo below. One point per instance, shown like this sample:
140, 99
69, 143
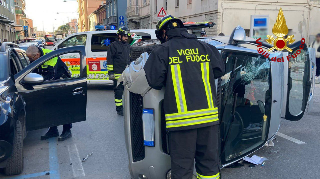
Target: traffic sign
25, 27
162, 13
121, 18
121, 22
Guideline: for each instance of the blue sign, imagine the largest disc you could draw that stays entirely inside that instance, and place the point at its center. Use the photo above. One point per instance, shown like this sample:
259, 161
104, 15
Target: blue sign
25, 27
121, 23
260, 22
113, 27
99, 27
121, 18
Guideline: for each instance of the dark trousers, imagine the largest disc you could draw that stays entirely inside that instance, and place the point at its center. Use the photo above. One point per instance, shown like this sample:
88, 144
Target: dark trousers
318, 66
118, 92
201, 144
66, 127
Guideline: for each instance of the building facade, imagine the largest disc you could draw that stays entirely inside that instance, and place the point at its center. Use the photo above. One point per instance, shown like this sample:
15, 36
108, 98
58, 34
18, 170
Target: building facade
116, 13
85, 8
301, 15
73, 25
7, 20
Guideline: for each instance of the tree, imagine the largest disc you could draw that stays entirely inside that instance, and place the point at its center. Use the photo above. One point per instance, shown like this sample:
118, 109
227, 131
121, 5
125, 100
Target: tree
64, 29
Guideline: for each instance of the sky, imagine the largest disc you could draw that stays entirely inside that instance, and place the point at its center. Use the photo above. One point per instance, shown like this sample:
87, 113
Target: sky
44, 13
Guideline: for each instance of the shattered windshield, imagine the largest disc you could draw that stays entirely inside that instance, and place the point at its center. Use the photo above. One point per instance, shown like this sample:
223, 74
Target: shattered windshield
245, 108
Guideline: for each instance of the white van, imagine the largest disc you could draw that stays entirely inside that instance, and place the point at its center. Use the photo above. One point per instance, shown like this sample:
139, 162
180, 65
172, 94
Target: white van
96, 45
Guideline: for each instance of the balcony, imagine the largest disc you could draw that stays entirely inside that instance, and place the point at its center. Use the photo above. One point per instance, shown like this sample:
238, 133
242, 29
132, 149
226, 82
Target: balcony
113, 20
133, 11
6, 15
18, 3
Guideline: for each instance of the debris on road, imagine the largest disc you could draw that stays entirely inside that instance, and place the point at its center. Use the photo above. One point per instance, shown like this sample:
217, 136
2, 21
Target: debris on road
48, 173
256, 160
86, 158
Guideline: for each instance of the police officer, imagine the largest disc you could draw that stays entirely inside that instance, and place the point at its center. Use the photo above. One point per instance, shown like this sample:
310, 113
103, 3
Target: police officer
118, 58
188, 69
51, 70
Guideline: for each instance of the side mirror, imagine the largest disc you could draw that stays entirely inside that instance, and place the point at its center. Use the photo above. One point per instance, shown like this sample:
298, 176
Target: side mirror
33, 79
261, 106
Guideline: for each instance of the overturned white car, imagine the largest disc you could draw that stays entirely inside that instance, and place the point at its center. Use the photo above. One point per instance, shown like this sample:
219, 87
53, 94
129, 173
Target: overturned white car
253, 96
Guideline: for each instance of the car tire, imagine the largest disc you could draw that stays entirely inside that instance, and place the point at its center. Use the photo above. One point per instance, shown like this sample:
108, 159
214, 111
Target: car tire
23, 124
15, 162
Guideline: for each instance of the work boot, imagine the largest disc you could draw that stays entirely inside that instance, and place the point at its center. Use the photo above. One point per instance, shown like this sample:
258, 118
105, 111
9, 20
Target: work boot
52, 132
65, 135
120, 113
119, 110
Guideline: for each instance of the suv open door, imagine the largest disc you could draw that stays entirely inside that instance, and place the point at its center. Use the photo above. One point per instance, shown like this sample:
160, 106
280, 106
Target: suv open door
53, 102
299, 76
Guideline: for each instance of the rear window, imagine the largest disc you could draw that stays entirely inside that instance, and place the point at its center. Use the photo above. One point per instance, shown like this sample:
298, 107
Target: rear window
101, 42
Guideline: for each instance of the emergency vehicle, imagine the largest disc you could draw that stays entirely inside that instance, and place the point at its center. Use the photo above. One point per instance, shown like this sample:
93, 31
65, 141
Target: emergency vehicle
254, 95
96, 45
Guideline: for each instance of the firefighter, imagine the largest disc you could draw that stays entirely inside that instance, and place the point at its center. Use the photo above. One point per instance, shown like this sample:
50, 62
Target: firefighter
53, 69
118, 58
188, 69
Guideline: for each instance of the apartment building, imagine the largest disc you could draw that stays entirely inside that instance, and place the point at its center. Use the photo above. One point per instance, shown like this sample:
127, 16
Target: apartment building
301, 15
85, 8
7, 19
73, 25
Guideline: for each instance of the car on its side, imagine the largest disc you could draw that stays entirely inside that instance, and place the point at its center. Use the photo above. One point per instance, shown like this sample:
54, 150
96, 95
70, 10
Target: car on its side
27, 102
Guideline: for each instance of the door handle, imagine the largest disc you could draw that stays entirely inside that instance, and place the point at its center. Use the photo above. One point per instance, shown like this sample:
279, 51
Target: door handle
77, 91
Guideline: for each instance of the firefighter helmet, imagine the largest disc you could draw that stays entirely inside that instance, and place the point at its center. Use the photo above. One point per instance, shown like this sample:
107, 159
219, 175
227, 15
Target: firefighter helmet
166, 23
124, 31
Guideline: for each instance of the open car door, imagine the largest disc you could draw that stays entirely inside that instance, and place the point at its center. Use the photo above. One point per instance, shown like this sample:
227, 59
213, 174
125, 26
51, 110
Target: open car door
300, 79
246, 97
53, 102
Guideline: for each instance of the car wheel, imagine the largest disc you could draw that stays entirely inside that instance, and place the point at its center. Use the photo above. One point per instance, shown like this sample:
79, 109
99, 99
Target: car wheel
23, 124
15, 162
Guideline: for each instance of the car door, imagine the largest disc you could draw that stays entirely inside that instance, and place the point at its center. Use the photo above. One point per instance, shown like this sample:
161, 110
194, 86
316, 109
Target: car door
245, 108
299, 77
54, 102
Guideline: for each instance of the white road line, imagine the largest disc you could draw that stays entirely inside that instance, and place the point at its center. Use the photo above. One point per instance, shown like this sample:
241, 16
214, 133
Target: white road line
290, 138
77, 167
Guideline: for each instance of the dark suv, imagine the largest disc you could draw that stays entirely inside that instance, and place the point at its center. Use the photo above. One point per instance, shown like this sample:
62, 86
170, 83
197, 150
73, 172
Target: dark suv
27, 102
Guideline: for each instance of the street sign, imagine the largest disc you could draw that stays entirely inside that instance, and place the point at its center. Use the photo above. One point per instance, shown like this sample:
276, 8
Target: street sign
25, 27
121, 22
162, 13
121, 18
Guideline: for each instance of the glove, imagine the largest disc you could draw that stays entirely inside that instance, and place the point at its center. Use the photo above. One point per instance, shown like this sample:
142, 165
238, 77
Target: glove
111, 76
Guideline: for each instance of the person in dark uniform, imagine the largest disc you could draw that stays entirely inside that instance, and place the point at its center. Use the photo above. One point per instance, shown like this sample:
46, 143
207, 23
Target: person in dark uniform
316, 45
51, 70
118, 58
187, 68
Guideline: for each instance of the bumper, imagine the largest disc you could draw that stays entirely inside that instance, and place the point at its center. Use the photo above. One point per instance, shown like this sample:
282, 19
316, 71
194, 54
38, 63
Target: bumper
5, 150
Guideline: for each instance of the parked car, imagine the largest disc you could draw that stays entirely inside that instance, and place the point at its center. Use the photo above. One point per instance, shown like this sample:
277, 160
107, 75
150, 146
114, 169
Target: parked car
253, 97
27, 102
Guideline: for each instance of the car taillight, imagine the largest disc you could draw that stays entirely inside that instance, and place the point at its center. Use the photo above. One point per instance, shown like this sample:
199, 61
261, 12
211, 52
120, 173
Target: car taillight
148, 127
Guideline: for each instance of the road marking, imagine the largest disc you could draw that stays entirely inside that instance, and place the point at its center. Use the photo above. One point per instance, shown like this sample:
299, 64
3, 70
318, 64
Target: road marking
30, 175
290, 138
53, 159
77, 167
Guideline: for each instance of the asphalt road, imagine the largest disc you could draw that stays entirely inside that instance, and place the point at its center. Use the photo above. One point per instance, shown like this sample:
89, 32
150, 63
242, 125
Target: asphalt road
102, 136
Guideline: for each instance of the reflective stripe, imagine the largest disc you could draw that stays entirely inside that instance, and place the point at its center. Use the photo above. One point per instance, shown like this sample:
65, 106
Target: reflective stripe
169, 18
189, 112
118, 104
110, 67
178, 88
217, 176
193, 114
118, 100
207, 86
183, 124
193, 119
